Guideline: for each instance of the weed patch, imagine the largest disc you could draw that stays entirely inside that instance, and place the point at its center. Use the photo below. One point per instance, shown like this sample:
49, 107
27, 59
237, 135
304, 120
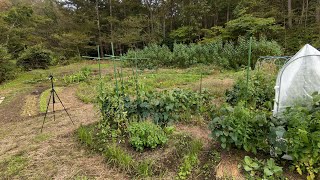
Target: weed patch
13, 166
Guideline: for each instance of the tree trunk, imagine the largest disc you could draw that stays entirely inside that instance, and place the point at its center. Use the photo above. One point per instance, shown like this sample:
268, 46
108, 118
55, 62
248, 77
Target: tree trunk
318, 12
307, 9
290, 13
302, 12
99, 29
228, 12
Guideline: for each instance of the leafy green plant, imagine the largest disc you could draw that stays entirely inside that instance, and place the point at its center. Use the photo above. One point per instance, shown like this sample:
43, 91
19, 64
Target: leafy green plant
146, 135
190, 159
258, 93
150, 57
302, 136
222, 53
261, 169
80, 76
35, 57
114, 115
240, 127
166, 106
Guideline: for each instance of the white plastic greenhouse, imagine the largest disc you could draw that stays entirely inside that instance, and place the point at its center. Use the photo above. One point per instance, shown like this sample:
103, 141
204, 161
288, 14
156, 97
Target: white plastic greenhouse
298, 79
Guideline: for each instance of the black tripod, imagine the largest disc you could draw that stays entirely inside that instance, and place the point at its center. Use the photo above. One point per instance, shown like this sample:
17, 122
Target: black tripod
52, 94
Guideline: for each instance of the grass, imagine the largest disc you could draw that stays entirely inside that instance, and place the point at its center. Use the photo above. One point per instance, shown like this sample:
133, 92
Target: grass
119, 157
85, 135
41, 137
12, 166
190, 159
45, 97
86, 92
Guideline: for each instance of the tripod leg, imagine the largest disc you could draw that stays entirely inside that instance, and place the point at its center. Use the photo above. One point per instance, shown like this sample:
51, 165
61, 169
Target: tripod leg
46, 111
63, 106
53, 101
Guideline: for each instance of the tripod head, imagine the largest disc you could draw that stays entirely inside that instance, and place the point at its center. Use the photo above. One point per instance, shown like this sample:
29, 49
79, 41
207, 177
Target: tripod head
51, 79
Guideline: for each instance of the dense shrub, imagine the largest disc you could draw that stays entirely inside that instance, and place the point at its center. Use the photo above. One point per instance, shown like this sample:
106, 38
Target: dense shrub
146, 135
167, 106
241, 127
35, 57
114, 116
296, 133
258, 93
226, 54
6, 67
302, 124
152, 56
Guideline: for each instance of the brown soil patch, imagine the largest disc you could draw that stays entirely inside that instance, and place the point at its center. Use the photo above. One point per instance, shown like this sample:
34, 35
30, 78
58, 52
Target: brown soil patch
228, 167
198, 132
53, 154
10, 112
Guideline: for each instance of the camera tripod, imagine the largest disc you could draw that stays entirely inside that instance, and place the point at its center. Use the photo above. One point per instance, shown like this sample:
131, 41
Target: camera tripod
53, 93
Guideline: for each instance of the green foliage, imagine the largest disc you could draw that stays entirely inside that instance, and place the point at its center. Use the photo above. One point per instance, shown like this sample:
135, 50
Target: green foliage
190, 159
241, 127
247, 24
114, 115
146, 135
85, 135
119, 157
78, 77
86, 93
258, 93
35, 57
145, 168
221, 53
153, 56
13, 166
260, 169
6, 67
166, 106
302, 137
185, 34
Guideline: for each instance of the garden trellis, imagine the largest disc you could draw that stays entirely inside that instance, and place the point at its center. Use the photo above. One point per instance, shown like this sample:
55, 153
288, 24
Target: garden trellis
298, 79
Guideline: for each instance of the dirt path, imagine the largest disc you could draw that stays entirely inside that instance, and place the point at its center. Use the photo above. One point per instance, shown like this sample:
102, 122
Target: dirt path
53, 154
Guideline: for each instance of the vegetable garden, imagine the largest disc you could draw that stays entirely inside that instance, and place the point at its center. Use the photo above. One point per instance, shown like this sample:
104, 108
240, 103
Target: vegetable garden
139, 122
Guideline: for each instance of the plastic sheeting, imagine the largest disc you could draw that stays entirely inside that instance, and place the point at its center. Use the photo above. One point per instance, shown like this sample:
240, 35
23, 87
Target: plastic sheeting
298, 79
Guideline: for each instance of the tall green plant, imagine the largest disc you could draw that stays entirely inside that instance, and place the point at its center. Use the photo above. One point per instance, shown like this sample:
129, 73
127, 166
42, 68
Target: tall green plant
241, 127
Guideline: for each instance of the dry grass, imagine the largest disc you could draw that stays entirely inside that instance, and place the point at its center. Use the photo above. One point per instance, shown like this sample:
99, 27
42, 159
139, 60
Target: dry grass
30, 107
55, 155
228, 167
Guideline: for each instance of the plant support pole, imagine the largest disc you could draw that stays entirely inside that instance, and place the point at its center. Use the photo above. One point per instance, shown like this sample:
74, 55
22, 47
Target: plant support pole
249, 65
99, 61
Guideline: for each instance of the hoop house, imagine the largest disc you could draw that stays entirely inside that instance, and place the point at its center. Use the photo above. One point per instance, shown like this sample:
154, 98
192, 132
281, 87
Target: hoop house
298, 79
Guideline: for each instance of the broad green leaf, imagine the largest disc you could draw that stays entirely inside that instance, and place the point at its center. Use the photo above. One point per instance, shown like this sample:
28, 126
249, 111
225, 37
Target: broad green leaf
267, 171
